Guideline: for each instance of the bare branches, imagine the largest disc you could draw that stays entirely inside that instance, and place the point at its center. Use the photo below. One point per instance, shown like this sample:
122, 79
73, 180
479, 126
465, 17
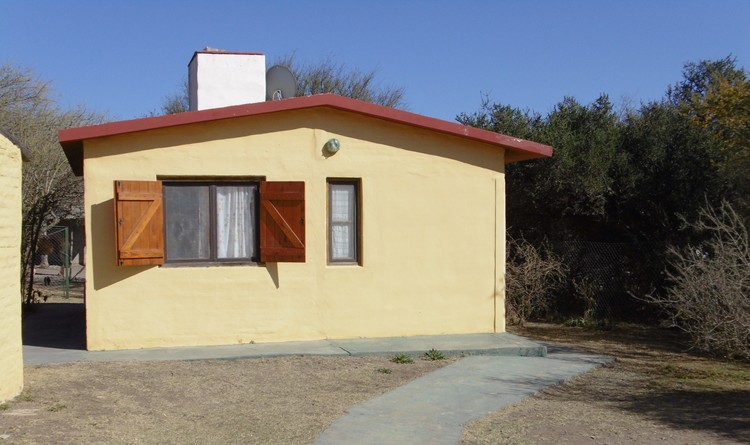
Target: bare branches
532, 276
710, 294
329, 76
50, 190
20, 91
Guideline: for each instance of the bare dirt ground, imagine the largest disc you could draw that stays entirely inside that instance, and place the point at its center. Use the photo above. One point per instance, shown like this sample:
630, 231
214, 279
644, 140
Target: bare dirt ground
53, 291
288, 400
655, 393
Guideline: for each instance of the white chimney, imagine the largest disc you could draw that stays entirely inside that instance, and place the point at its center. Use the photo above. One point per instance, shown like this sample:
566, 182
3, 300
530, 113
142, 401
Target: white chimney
219, 78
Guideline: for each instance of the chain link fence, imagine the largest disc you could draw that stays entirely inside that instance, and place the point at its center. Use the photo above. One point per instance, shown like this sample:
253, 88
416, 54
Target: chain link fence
602, 278
59, 270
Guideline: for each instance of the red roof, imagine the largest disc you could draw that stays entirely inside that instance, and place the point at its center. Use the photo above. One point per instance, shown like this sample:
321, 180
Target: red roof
72, 139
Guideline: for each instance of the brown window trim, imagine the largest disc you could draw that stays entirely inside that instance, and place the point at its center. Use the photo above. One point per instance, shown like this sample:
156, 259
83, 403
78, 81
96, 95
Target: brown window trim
358, 251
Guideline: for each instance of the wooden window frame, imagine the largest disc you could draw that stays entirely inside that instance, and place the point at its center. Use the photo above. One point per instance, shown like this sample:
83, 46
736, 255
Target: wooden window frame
213, 259
358, 251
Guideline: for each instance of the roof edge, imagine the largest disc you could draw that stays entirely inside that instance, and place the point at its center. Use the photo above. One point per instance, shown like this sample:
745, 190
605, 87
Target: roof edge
520, 149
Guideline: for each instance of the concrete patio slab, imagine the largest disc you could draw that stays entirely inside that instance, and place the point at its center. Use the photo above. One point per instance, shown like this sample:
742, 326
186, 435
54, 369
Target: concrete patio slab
464, 344
55, 333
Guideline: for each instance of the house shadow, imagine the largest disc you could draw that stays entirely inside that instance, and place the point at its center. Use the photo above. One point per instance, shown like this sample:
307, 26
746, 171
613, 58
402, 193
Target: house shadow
55, 325
726, 413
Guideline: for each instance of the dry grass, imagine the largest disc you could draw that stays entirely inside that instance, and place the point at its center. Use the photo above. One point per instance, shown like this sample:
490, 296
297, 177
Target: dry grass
654, 393
288, 400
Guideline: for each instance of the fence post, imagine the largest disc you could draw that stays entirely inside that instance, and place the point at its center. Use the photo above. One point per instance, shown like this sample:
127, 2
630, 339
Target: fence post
66, 265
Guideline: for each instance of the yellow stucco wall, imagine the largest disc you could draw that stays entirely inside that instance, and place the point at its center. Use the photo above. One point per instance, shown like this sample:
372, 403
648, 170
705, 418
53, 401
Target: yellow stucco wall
11, 361
433, 235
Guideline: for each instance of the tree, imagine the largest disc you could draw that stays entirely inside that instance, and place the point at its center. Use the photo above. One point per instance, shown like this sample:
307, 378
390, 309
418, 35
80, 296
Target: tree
567, 193
327, 76
631, 177
50, 190
178, 102
715, 97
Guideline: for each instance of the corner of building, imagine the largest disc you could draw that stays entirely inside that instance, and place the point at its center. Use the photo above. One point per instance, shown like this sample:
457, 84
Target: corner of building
11, 352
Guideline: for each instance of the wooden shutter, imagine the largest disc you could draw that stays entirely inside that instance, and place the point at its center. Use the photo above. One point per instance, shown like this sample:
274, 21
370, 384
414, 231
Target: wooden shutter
139, 223
282, 222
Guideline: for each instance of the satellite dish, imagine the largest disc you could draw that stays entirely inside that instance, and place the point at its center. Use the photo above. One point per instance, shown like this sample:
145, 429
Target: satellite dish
280, 83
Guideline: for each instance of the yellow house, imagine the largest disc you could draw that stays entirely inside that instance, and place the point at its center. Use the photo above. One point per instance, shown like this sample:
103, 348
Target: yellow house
11, 360
297, 219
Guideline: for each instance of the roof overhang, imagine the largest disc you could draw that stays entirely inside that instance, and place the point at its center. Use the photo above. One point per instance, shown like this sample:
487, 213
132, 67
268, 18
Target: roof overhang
72, 139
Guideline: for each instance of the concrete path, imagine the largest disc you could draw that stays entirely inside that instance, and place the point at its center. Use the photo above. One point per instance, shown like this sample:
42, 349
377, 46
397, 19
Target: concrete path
500, 370
434, 409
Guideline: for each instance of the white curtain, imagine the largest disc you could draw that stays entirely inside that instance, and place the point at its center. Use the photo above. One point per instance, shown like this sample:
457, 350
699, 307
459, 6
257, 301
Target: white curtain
234, 221
342, 222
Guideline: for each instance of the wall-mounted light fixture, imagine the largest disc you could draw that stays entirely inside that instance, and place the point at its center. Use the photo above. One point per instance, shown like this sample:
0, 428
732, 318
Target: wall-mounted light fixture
332, 146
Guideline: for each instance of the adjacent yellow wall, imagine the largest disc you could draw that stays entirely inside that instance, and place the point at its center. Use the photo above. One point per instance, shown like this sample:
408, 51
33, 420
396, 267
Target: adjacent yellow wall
11, 360
433, 236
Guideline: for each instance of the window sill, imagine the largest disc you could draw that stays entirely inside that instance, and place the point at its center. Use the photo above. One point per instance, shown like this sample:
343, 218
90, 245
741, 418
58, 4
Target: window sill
344, 263
211, 264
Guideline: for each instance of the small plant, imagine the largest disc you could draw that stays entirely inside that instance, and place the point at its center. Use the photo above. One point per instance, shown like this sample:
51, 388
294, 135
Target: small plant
587, 290
603, 325
4, 406
575, 323
384, 370
38, 296
402, 359
25, 397
434, 354
56, 407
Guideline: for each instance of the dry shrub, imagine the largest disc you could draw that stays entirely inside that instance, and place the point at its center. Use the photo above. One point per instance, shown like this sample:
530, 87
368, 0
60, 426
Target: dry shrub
532, 277
709, 297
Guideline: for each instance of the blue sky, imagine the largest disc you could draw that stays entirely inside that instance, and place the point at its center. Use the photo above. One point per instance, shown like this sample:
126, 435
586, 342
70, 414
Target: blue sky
123, 57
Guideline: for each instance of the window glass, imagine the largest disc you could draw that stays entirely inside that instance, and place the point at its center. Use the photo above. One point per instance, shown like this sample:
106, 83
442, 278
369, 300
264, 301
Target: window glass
342, 242
235, 221
187, 222
211, 221
342, 222
342, 202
